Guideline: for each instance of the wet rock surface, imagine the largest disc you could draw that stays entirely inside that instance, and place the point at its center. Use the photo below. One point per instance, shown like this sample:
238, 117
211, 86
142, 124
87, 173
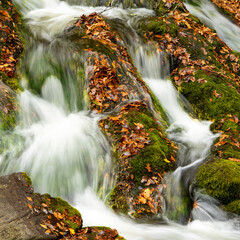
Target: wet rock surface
26, 215
17, 220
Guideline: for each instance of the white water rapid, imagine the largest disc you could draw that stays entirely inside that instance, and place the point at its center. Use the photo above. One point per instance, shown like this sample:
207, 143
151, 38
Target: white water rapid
60, 149
64, 152
208, 13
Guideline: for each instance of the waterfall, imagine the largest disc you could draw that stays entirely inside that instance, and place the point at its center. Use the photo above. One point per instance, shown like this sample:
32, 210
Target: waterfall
59, 149
58, 142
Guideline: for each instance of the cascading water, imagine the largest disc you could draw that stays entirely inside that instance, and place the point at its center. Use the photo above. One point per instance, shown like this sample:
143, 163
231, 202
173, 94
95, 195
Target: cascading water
226, 29
193, 136
58, 144
59, 149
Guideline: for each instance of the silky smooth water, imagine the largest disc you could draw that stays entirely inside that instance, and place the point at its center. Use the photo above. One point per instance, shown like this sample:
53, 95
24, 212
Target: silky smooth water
62, 152
60, 146
208, 13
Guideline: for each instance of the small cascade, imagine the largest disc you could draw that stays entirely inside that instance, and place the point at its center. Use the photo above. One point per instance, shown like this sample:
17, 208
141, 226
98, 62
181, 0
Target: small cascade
193, 136
226, 29
47, 19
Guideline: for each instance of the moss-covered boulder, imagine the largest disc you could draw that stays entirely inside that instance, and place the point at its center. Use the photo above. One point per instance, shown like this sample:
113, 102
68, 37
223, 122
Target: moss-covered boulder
135, 121
221, 179
143, 155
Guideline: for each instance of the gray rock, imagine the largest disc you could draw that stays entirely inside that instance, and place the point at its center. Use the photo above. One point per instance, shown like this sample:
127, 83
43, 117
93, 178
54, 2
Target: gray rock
18, 220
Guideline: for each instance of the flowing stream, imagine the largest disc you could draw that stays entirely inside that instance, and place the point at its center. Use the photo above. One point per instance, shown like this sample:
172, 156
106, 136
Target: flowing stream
208, 13
58, 143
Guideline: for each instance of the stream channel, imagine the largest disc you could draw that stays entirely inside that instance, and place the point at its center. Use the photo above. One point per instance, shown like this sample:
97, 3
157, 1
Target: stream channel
57, 140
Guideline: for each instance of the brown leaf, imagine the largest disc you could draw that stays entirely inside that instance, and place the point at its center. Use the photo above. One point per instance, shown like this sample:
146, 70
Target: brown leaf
148, 168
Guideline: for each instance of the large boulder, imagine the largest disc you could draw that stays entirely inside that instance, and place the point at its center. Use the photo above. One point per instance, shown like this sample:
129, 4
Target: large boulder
26, 215
221, 179
17, 219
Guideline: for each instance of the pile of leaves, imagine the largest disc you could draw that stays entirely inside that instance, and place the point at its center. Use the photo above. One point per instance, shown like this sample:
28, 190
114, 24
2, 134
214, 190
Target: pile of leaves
112, 76
61, 220
105, 89
11, 45
189, 36
133, 136
129, 139
149, 200
231, 7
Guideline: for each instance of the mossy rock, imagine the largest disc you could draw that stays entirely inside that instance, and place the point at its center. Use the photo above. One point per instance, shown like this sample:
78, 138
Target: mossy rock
208, 105
150, 162
159, 150
159, 26
117, 201
60, 205
27, 178
7, 107
234, 207
221, 180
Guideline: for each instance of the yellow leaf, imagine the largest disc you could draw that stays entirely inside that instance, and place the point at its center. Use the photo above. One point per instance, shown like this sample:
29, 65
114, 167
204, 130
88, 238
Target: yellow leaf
30, 199
167, 161
43, 226
142, 200
71, 231
147, 193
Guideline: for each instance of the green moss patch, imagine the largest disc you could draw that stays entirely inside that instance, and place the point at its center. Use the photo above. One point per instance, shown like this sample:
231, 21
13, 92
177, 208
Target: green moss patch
60, 205
27, 178
156, 154
221, 180
142, 164
234, 207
